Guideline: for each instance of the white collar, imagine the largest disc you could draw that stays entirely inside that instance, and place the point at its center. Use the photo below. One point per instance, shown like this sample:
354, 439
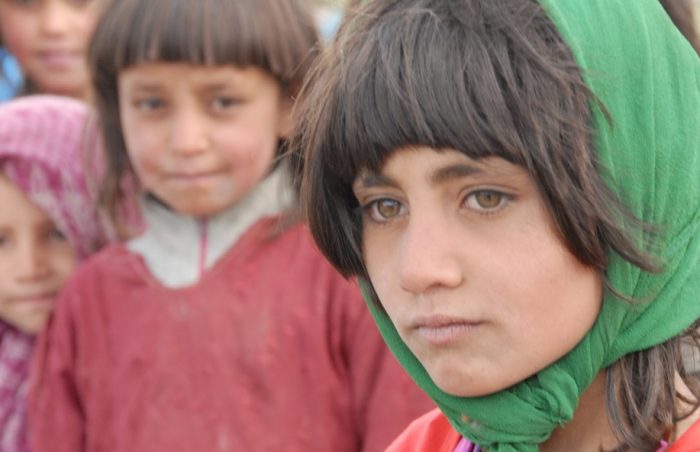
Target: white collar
178, 248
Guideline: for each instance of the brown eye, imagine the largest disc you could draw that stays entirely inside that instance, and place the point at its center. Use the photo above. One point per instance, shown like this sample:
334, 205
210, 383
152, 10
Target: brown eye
383, 210
486, 200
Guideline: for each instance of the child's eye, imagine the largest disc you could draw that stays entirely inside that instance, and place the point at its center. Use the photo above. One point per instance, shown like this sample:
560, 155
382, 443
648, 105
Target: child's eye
486, 201
25, 3
149, 104
384, 210
81, 2
56, 235
223, 103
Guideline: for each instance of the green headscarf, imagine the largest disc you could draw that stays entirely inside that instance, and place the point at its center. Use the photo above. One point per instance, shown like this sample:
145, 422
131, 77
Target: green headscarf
648, 78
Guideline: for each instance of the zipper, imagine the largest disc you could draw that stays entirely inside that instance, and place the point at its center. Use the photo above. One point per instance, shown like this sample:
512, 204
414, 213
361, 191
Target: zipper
203, 246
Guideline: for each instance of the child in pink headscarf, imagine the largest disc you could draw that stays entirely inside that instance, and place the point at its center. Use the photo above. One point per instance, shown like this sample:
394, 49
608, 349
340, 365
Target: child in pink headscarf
47, 224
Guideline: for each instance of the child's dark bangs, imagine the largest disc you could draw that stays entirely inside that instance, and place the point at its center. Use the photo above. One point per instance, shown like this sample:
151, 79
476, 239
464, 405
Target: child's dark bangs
213, 32
419, 84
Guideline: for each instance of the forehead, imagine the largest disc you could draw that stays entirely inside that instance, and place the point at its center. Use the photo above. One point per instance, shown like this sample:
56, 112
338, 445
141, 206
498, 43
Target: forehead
163, 75
16, 208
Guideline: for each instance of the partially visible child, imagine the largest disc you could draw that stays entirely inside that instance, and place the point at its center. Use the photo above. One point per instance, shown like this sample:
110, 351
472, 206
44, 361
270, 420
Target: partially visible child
10, 76
220, 327
47, 225
517, 183
50, 38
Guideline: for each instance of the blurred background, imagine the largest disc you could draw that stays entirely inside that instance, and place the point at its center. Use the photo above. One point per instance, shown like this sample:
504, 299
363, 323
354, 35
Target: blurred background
684, 13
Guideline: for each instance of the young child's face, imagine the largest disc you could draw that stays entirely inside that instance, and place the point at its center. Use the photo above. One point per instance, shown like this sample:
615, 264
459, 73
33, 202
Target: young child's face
200, 138
50, 38
466, 261
35, 260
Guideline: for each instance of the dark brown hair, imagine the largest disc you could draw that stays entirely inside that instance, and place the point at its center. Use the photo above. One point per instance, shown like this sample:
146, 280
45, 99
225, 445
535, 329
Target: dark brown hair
278, 36
681, 12
485, 78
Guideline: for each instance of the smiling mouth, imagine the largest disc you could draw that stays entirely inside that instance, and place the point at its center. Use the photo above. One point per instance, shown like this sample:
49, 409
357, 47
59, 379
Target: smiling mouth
59, 58
193, 177
42, 298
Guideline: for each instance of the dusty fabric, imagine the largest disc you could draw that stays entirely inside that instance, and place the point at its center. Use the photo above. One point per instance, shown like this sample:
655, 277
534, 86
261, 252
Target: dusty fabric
270, 350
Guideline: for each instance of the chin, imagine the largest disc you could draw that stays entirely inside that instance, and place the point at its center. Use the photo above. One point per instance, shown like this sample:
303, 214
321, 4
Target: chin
202, 208
464, 384
31, 327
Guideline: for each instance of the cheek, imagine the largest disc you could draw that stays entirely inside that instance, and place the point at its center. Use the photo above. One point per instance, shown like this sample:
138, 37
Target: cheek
550, 295
250, 151
65, 260
88, 23
17, 34
378, 255
143, 148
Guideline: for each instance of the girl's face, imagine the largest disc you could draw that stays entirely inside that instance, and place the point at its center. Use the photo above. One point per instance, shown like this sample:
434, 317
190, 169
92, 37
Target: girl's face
200, 138
465, 259
49, 38
35, 260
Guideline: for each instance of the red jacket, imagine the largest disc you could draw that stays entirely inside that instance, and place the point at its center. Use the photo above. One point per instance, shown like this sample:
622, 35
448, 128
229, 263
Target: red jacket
270, 351
433, 433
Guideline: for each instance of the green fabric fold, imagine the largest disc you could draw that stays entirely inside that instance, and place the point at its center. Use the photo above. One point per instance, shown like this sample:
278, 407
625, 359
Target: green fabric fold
648, 78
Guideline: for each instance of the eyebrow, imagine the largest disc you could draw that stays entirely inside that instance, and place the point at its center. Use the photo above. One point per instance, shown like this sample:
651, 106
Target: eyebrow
440, 175
455, 171
146, 86
377, 180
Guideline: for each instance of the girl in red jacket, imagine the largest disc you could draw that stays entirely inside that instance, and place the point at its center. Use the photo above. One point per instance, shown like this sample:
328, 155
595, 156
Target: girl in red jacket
517, 183
217, 326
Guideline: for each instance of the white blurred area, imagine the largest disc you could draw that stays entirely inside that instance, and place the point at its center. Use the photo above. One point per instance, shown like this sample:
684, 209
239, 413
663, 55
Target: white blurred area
328, 16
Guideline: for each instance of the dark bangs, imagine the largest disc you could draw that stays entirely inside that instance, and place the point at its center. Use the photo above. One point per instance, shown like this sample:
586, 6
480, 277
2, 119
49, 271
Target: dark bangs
483, 77
276, 36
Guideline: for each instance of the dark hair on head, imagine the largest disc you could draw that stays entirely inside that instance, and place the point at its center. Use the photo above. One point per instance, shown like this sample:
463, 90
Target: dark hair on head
486, 78
483, 77
277, 36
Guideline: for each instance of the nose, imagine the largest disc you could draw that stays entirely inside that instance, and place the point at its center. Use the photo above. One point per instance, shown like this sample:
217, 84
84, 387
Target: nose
55, 17
189, 131
429, 257
31, 262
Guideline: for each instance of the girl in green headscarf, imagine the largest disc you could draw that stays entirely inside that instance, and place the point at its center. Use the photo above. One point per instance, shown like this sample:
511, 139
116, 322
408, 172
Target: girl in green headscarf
517, 186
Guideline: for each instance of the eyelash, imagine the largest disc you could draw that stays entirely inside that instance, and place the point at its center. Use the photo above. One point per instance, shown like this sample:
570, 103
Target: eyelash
149, 104
56, 234
504, 200
224, 102
370, 212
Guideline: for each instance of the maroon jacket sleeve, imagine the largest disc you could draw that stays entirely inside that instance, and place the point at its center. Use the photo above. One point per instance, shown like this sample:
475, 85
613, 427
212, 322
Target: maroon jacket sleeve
385, 399
56, 421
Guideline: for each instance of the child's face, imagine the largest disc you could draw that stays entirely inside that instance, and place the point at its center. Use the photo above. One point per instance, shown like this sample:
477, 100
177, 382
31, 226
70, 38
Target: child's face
35, 260
200, 138
466, 261
50, 38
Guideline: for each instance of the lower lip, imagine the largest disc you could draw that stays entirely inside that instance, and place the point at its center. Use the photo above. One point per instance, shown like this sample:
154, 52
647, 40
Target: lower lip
59, 60
444, 335
38, 299
193, 179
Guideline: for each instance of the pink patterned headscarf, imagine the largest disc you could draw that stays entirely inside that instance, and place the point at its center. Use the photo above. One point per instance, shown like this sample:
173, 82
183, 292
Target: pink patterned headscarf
42, 140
